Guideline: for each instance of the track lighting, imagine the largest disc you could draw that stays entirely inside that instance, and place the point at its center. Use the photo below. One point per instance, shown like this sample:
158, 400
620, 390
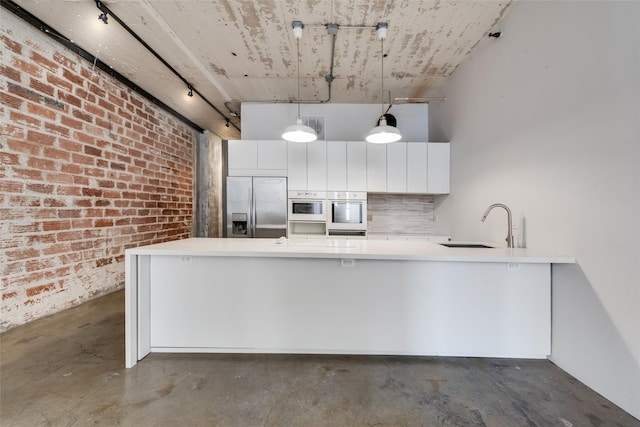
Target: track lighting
190, 93
104, 17
383, 133
299, 132
227, 123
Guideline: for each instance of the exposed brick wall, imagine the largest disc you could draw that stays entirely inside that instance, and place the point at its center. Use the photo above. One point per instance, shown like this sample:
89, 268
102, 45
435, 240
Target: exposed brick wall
88, 168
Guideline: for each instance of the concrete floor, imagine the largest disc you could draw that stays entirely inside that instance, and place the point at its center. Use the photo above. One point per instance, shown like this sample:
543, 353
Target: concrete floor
68, 369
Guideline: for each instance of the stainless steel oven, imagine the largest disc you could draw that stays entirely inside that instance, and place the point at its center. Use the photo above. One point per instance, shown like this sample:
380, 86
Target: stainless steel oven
347, 213
307, 206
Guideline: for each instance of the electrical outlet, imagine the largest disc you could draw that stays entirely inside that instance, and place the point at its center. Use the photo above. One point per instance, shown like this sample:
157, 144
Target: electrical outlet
513, 266
347, 262
185, 259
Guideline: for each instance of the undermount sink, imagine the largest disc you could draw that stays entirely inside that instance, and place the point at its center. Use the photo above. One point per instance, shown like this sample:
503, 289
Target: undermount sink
465, 245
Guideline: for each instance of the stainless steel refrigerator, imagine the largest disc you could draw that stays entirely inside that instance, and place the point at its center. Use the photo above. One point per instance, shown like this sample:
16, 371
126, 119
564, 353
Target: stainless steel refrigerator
256, 207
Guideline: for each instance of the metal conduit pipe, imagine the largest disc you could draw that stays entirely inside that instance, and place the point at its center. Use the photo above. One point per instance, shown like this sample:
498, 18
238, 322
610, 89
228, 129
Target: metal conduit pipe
329, 78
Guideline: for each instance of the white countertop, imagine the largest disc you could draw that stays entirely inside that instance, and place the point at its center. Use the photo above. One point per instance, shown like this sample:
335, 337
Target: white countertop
351, 249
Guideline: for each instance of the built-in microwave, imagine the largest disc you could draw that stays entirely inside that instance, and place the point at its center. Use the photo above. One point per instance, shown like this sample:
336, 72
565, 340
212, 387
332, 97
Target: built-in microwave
347, 212
307, 206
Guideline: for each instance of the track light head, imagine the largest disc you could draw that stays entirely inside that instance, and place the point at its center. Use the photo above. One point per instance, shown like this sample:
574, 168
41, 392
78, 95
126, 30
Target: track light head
104, 16
190, 93
227, 123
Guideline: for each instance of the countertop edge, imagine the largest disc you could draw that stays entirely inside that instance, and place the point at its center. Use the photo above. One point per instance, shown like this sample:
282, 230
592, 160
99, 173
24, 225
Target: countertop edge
381, 250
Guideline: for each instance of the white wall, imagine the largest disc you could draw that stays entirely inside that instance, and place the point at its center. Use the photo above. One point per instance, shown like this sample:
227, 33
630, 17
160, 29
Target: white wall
546, 119
343, 122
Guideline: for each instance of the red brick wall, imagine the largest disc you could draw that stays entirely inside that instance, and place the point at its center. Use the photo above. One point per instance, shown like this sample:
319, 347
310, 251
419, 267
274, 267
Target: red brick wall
88, 168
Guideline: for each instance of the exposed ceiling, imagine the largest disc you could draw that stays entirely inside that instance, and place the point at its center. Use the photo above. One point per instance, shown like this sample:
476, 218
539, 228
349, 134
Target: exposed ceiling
244, 50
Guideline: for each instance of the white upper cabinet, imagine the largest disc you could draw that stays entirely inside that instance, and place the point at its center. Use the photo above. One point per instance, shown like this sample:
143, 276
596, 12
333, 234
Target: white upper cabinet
317, 165
243, 154
417, 167
297, 166
337, 166
272, 155
307, 165
376, 168
356, 166
257, 158
397, 167
438, 175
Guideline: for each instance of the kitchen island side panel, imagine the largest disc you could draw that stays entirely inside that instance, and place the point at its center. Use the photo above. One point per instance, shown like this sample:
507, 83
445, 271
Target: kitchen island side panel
285, 305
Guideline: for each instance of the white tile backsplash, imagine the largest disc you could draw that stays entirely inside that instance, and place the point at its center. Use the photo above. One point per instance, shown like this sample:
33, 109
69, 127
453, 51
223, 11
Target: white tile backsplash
400, 213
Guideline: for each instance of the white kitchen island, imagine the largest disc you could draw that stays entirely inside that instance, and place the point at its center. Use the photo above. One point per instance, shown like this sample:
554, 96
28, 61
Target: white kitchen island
337, 296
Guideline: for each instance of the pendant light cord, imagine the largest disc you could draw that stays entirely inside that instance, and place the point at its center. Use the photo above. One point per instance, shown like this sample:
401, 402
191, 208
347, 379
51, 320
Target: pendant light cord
382, 77
298, 62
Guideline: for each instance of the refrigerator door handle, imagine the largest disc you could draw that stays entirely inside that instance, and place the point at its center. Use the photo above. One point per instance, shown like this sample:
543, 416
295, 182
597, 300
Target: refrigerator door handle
252, 203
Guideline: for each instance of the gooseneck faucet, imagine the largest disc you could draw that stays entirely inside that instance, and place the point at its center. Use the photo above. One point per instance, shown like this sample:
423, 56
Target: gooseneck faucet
509, 238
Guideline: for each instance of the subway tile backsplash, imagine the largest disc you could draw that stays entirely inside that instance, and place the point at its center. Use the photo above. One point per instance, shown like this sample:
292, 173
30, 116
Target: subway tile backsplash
400, 213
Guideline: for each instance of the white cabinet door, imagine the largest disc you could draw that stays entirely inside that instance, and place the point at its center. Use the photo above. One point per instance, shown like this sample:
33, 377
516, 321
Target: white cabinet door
417, 167
297, 166
272, 155
317, 165
397, 167
243, 154
356, 166
376, 168
336, 166
438, 158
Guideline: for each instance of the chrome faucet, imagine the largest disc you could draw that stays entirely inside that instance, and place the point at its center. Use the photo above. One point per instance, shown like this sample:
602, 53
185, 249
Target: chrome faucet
509, 238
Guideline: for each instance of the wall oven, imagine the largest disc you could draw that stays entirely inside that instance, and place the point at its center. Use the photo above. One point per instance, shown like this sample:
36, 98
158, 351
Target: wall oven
307, 206
347, 213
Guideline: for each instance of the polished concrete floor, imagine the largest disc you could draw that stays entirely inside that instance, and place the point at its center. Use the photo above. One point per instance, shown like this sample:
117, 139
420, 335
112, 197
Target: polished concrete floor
68, 370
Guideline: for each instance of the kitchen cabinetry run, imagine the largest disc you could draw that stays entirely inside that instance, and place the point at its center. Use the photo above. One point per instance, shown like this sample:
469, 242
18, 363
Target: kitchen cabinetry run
408, 167
257, 158
401, 167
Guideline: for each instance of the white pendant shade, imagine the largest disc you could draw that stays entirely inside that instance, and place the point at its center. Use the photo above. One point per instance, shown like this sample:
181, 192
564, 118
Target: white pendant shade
383, 134
299, 133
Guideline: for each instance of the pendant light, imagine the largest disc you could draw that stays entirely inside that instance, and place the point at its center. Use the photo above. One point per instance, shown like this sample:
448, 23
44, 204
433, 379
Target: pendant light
299, 132
383, 133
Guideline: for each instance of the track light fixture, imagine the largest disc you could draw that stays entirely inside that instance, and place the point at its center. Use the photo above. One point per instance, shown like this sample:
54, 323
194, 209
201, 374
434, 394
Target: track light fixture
190, 93
299, 132
104, 17
383, 133
227, 123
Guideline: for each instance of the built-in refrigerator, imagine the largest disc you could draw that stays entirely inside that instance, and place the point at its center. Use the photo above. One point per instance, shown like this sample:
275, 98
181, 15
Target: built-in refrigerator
256, 207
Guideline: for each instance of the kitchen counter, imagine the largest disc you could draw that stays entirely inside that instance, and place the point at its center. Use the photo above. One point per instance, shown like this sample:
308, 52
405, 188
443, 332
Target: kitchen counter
347, 248
337, 296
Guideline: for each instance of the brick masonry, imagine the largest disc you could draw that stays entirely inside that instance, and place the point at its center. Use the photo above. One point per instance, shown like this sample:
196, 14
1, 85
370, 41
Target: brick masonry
88, 168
